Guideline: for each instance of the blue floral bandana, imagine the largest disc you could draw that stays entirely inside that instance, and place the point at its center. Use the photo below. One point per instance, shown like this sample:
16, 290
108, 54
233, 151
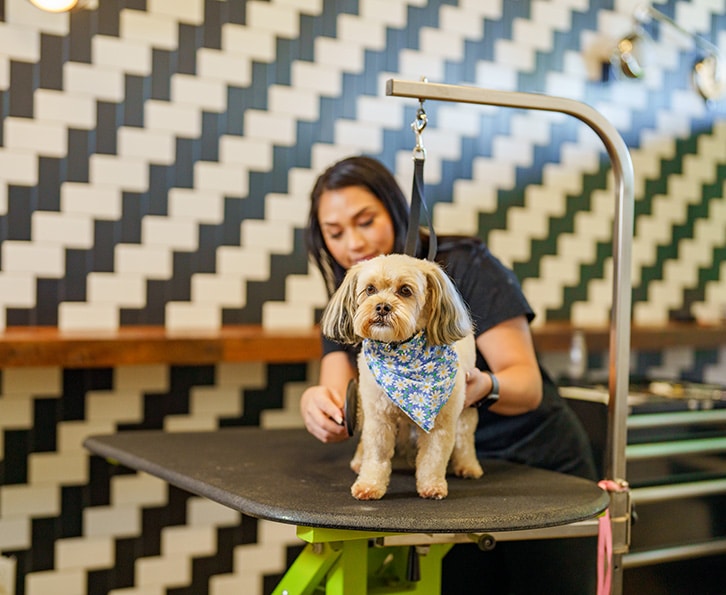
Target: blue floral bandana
419, 378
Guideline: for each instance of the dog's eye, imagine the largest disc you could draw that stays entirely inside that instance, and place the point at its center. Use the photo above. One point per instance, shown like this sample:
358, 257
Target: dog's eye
405, 291
371, 290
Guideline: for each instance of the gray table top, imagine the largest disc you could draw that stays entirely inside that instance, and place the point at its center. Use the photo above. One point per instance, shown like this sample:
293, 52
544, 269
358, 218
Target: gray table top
290, 477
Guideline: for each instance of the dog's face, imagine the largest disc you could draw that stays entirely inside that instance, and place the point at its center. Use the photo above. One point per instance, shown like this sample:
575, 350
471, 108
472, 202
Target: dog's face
391, 298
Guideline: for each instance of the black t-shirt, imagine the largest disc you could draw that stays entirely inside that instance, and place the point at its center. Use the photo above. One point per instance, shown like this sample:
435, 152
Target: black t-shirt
549, 437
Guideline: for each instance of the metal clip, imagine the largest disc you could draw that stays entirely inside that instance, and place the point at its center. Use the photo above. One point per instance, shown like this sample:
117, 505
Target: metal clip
418, 126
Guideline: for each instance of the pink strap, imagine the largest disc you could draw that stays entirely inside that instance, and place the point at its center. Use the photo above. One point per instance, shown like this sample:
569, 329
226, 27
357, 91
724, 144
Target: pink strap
605, 543
604, 555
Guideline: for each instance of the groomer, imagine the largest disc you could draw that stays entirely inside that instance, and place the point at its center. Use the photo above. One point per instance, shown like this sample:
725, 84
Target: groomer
358, 211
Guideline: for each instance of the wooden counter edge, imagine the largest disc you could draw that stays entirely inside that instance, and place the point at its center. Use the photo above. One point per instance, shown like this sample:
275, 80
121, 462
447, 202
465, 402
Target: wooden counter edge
47, 346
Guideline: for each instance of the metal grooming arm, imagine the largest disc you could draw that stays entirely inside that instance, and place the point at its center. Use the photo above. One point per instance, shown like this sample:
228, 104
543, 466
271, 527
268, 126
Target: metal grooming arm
619, 364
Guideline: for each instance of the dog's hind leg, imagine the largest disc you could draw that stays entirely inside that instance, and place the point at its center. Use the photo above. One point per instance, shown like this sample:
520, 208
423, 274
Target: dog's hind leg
464, 462
357, 457
405, 455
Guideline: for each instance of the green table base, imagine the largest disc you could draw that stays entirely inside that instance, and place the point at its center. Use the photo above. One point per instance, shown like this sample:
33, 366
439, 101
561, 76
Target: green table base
339, 562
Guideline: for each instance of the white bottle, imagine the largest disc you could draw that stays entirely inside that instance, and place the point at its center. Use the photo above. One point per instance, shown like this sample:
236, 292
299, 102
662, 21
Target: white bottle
578, 356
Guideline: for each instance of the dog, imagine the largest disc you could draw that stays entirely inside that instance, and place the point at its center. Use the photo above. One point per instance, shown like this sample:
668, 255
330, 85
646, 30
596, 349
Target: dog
417, 343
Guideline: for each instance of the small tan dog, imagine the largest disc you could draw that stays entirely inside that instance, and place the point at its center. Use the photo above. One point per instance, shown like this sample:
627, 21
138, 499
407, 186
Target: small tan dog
417, 343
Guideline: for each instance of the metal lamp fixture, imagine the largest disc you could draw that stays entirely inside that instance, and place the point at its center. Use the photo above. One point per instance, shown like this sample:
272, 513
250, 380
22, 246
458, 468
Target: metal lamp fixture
64, 5
708, 78
627, 58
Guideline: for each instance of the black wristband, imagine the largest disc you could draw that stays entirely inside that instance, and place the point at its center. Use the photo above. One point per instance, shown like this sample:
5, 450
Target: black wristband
493, 396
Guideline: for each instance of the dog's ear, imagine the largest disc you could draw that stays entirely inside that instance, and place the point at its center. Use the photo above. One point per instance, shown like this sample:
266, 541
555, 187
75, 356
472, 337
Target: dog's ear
337, 320
450, 320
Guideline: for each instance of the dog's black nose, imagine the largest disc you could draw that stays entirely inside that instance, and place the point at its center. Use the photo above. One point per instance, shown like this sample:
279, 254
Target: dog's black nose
383, 308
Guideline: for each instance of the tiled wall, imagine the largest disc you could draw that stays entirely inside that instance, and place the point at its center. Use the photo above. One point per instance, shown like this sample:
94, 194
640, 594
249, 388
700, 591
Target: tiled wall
156, 156
76, 524
155, 162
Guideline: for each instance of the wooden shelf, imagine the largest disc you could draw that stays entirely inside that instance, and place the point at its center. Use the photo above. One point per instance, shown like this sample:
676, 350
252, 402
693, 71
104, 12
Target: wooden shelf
556, 336
47, 346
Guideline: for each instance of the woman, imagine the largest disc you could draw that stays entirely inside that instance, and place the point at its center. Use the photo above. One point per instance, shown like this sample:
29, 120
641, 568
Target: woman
357, 212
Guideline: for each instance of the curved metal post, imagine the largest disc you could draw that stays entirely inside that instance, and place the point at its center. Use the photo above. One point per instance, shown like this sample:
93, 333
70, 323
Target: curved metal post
619, 364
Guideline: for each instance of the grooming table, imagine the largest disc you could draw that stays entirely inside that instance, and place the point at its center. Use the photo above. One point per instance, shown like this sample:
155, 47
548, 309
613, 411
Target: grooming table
394, 545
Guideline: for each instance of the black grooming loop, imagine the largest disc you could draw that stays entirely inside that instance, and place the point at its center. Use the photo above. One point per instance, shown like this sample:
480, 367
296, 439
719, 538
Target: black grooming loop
418, 201
418, 204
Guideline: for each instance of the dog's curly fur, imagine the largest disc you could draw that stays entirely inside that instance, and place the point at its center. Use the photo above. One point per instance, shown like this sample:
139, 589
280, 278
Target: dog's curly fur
390, 299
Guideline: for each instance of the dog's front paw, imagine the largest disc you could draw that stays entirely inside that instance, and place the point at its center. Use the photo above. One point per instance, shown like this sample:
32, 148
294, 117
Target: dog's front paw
434, 491
471, 470
367, 491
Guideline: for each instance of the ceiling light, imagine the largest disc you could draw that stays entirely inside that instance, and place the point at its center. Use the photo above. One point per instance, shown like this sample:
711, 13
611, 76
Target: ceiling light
628, 56
708, 78
64, 5
628, 59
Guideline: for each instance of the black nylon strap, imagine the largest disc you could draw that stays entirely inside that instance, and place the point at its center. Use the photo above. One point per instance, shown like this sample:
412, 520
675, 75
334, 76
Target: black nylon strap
418, 205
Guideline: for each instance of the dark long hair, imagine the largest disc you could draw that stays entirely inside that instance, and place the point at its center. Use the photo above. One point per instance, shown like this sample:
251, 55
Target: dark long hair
367, 173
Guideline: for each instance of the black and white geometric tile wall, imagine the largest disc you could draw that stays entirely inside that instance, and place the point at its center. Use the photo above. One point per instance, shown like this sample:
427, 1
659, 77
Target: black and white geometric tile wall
156, 156
76, 524
155, 162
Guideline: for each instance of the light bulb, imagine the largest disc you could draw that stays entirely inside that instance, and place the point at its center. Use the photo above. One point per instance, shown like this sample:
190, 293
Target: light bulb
63, 5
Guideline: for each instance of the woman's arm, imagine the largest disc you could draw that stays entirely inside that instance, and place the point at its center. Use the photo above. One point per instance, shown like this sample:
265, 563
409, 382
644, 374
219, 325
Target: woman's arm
509, 351
322, 405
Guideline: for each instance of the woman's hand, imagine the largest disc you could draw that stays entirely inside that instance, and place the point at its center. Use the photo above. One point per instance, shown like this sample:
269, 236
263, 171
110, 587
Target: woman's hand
322, 405
322, 412
478, 385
